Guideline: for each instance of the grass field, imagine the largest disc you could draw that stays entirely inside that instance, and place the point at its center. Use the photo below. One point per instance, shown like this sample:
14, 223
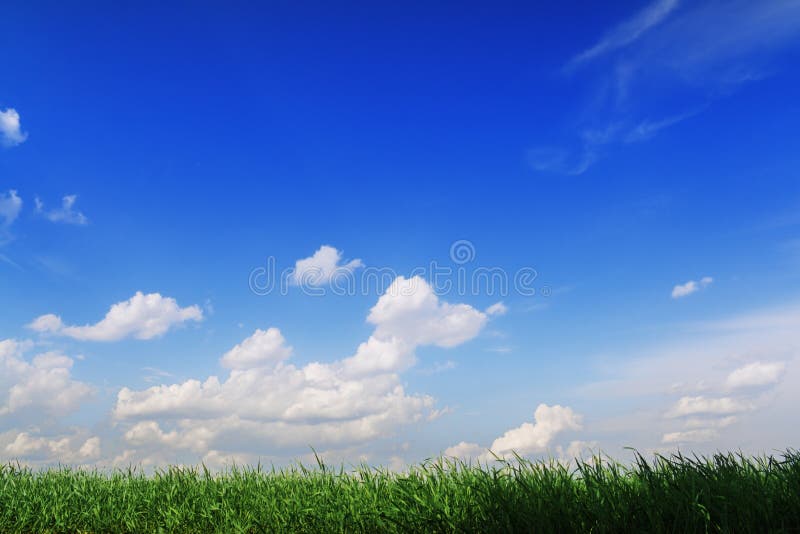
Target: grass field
722, 493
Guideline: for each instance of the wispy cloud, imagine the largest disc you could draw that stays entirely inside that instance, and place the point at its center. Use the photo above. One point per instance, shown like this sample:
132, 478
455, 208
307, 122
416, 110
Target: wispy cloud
627, 32
66, 214
687, 55
592, 143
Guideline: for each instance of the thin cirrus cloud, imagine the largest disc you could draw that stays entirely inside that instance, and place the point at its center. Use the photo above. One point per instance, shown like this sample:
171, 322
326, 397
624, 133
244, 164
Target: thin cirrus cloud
690, 287
141, 317
11, 133
66, 214
268, 401
323, 267
627, 32
688, 54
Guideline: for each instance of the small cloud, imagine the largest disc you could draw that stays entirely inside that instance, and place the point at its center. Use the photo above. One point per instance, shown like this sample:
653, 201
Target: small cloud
498, 308
65, 214
755, 374
141, 316
691, 436
707, 406
684, 290
11, 133
10, 206
323, 267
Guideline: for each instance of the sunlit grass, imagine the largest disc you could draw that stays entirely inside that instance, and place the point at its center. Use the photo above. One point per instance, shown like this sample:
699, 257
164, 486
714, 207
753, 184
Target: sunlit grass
724, 492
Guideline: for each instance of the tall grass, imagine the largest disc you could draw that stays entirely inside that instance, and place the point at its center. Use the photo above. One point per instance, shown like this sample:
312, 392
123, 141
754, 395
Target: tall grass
720, 493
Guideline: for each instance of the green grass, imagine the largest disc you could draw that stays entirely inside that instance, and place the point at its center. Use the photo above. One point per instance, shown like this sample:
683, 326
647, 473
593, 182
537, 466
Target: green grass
721, 493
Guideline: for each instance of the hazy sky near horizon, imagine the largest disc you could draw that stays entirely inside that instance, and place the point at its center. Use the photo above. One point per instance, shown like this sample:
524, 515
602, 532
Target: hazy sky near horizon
230, 231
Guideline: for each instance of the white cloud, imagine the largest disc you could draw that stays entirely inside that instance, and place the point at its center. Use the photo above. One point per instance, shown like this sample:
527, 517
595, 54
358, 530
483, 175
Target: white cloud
65, 214
411, 311
465, 450
755, 374
684, 290
535, 437
691, 436
577, 449
268, 402
44, 384
526, 439
11, 133
376, 355
323, 267
262, 348
66, 449
498, 308
10, 206
704, 405
628, 31
141, 316
694, 375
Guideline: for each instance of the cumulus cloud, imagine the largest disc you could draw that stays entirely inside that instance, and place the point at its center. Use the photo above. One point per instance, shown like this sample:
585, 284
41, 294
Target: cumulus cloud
66, 449
11, 133
262, 348
526, 439
65, 214
411, 311
498, 308
755, 374
44, 384
323, 267
141, 316
465, 450
267, 401
684, 290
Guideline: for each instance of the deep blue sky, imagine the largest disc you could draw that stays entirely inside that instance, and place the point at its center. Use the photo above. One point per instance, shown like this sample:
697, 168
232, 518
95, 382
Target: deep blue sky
620, 150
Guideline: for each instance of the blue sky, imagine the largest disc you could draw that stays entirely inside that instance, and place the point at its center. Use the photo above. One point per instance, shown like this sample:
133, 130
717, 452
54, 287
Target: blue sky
640, 158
